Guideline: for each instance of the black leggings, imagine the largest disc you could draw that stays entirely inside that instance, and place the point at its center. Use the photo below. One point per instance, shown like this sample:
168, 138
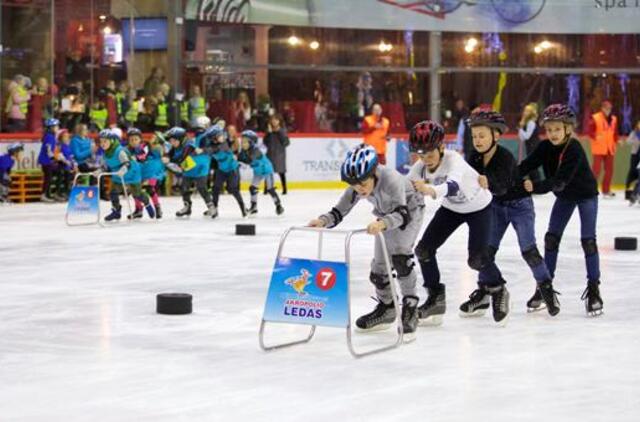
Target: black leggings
232, 181
134, 190
200, 184
64, 178
47, 170
443, 224
632, 175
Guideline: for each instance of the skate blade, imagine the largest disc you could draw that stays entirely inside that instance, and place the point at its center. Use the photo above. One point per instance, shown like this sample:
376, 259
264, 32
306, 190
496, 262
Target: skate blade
379, 327
432, 321
538, 309
595, 314
475, 314
408, 337
503, 322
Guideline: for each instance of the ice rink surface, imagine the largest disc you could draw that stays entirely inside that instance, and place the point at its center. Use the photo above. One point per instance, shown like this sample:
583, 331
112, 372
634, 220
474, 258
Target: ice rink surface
80, 340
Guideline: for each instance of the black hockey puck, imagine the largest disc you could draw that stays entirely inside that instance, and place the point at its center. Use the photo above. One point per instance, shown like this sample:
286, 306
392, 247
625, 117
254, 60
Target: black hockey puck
174, 303
245, 229
625, 243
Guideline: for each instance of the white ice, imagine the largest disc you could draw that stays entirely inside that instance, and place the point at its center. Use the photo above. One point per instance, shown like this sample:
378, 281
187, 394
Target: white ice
80, 340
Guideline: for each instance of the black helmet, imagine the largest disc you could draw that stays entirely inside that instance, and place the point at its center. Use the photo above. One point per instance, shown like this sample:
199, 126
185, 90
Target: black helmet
491, 119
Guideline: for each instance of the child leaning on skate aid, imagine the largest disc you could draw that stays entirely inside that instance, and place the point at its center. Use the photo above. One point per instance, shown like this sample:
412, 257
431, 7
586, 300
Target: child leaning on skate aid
398, 209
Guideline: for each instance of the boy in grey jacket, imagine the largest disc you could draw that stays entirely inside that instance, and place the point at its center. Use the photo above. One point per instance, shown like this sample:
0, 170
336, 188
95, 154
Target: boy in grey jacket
399, 210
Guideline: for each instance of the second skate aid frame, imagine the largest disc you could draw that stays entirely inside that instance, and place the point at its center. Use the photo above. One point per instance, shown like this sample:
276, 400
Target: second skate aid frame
347, 252
99, 177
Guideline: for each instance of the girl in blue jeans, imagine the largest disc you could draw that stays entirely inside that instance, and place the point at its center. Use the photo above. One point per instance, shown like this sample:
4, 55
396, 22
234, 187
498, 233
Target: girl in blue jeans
511, 205
570, 178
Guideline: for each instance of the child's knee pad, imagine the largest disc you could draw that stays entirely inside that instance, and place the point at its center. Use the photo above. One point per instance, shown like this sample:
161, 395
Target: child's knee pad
589, 246
551, 242
532, 256
380, 281
403, 264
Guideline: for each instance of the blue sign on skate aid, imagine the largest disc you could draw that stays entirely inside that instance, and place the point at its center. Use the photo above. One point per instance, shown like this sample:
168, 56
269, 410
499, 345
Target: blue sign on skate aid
84, 203
304, 291
316, 292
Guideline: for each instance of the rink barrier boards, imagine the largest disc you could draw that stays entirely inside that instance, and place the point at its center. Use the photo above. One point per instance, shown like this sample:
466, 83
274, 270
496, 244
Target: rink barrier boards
74, 192
348, 234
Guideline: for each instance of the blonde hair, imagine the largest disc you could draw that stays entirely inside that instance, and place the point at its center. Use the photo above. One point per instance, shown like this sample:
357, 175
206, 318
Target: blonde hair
533, 107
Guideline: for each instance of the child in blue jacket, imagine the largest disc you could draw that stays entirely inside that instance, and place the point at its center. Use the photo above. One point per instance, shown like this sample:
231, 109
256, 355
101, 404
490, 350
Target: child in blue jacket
14, 154
118, 160
67, 165
149, 154
46, 157
262, 170
227, 172
186, 158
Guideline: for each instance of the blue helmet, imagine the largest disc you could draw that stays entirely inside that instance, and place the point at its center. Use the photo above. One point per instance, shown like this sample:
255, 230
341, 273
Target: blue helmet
360, 163
177, 133
15, 147
48, 123
251, 136
213, 131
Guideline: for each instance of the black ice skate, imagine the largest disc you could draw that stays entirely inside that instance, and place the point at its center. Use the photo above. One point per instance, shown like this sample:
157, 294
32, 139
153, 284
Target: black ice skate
432, 310
115, 214
536, 303
409, 317
381, 318
135, 214
158, 212
185, 211
477, 304
550, 297
500, 304
592, 301
211, 211
279, 209
253, 210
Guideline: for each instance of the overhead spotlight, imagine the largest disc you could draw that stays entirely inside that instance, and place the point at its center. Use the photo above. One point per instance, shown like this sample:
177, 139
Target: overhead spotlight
537, 49
102, 18
468, 48
384, 47
473, 42
545, 45
314, 45
294, 41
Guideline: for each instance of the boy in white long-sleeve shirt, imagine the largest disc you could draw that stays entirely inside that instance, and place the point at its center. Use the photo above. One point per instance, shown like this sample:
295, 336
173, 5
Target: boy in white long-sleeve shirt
443, 174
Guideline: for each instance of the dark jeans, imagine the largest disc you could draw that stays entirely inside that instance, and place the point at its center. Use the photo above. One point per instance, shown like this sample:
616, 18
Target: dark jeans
201, 185
443, 224
521, 214
560, 216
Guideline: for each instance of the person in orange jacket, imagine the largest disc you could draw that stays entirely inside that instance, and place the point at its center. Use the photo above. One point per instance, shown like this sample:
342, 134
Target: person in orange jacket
604, 137
375, 129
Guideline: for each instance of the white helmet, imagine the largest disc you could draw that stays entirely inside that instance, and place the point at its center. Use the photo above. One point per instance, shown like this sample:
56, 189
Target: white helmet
117, 131
202, 122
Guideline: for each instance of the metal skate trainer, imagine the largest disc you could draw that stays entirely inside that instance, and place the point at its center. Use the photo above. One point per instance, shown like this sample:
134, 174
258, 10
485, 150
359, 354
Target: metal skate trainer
317, 293
85, 200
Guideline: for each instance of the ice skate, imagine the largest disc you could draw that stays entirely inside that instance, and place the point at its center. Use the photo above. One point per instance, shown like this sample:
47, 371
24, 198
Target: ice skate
500, 304
536, 303
477, 304
550, 297
381, 318
114, 215
409, 318
150, 211
135, 215
211, 211
592, 301
185, 211
431, 311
